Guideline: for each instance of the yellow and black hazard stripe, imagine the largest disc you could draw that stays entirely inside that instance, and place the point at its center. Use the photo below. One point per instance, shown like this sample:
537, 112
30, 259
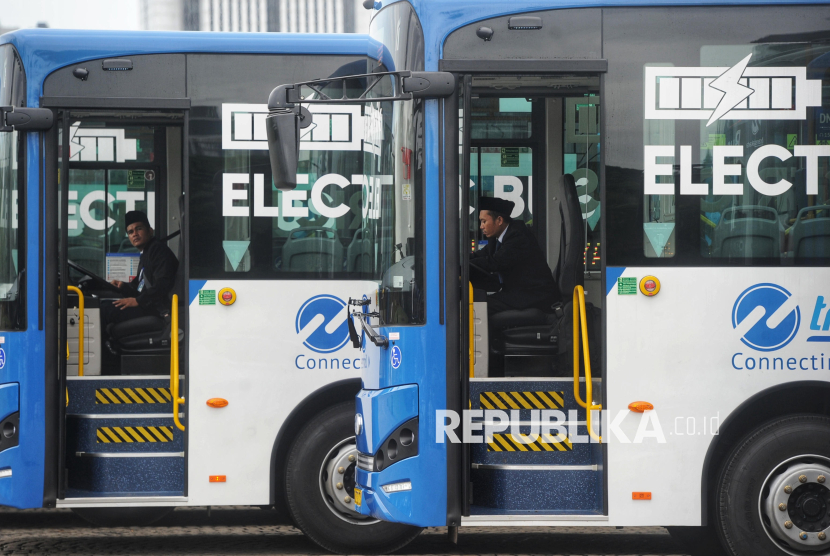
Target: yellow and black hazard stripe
543, 443
119, 435
133, 395
522, 400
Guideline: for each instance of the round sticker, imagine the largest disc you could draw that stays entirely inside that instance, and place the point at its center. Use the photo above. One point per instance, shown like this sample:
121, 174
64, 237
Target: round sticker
397, 357
149, 175
2, 358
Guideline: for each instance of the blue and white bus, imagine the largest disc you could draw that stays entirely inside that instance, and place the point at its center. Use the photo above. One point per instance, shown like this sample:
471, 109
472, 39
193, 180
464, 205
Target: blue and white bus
672, 161
243, 394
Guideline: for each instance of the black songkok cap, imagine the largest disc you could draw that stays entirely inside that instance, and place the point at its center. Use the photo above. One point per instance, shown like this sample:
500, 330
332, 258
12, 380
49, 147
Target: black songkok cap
502, 206
135, 216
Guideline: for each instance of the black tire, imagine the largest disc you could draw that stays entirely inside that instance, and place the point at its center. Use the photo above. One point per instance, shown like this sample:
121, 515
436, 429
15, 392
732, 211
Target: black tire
122, 517
761, 456
314, 513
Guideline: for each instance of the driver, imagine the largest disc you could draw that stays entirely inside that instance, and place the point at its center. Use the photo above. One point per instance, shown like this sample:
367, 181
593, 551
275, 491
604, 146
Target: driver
146, 295
513, 255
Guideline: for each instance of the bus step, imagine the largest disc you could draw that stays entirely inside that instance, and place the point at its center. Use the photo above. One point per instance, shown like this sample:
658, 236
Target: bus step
569, 445
541, 490
115, 434
119, 395
118, 473
531, 394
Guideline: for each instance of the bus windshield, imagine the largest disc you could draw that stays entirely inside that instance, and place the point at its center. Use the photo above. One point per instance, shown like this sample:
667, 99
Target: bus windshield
393, 198
12, 88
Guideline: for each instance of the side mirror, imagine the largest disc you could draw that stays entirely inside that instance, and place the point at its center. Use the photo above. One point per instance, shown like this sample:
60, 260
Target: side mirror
283, 129
283, 123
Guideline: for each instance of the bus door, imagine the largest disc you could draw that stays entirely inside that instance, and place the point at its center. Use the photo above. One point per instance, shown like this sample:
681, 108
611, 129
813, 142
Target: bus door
122, 428
535, 142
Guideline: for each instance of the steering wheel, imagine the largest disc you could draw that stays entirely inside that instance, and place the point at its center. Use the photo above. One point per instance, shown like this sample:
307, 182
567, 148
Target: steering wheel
97, 282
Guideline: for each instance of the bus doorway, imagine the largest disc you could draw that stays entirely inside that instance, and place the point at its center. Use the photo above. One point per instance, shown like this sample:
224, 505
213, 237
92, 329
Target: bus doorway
535, 141
123, 433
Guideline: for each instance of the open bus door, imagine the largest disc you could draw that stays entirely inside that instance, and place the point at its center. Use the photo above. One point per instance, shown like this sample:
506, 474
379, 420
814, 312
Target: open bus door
121, 386
536, 146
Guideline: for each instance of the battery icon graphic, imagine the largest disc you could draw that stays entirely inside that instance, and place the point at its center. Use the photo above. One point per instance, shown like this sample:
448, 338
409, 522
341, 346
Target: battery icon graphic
333, 128
729, 93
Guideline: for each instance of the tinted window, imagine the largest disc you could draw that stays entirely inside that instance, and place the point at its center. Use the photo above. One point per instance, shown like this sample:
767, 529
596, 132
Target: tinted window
241, 227
695, 176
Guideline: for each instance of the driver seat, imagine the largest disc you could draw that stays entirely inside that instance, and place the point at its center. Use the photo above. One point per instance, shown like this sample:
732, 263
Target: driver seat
144, 335
529, 332
150, 335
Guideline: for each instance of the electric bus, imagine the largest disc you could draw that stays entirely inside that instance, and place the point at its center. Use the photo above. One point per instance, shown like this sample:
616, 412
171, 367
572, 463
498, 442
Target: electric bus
672, 160
242, 392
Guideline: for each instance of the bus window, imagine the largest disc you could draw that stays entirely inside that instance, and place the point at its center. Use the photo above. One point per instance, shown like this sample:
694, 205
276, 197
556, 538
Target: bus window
113, 169
12, 202
737, 179
768, 209
393, 165
242, 227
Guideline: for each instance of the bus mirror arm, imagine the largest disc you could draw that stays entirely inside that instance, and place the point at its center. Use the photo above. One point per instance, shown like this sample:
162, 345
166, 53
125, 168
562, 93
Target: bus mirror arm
16, 118
371, 333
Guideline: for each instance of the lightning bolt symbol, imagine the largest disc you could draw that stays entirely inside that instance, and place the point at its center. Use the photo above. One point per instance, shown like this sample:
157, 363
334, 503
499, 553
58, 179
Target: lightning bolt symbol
733, 91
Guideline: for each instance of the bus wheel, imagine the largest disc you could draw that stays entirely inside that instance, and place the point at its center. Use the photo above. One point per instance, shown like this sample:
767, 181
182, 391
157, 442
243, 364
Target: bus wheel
773, 495
122, 517
319, 486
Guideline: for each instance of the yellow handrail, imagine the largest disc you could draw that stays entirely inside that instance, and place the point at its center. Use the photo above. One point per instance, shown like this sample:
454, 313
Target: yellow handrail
174, 361
472, 335
80, 331
581, 325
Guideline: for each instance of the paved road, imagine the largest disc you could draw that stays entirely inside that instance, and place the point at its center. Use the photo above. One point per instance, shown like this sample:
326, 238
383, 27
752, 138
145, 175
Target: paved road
248, 532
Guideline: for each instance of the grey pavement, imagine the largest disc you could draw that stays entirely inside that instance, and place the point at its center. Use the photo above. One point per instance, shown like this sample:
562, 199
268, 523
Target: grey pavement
246, 531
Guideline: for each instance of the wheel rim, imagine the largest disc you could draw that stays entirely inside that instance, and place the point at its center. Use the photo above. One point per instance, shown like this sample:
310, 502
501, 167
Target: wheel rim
337, 482
794, 505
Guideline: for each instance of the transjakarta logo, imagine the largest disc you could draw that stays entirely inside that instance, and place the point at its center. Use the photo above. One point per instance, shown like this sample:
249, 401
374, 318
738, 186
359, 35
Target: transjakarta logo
724, 93
766, 316
322, 326
321, 323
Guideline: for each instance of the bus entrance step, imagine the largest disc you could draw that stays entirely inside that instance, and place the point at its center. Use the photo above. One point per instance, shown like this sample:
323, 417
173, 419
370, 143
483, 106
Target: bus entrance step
530, 394
110, 395
537, 489
110, 473
527, 444
122, 434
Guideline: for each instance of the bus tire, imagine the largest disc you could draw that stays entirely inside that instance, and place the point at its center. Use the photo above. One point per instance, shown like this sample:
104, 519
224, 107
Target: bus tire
770, 489
327, 441
122, 517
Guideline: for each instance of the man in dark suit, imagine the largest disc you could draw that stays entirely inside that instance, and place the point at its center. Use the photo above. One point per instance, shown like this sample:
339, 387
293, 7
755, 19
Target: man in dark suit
146, 294
513, 257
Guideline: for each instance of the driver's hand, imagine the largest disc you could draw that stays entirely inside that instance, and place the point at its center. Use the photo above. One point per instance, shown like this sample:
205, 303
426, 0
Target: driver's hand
125, 302
117, 283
